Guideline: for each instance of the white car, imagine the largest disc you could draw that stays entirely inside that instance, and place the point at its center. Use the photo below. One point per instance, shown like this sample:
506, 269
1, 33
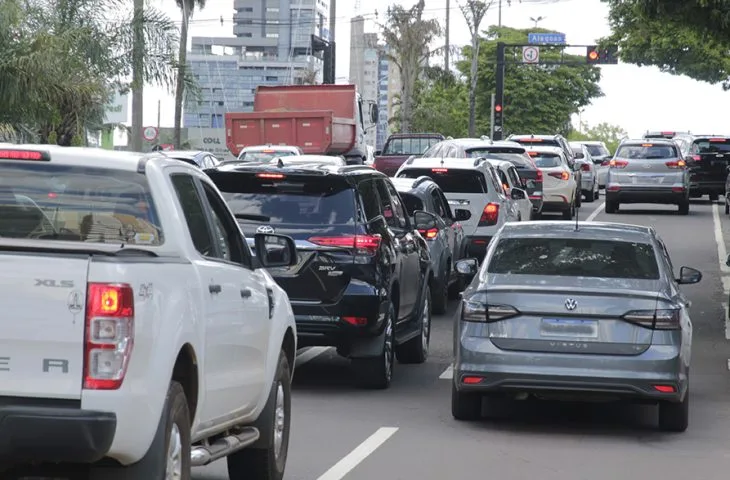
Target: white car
601, 158
471, 184
560, 190
510, 178
589, 174
264, 153
141, 336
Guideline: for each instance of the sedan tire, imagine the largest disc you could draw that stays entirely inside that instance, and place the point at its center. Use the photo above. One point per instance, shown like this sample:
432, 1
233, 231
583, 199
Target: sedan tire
674, 417
465, 405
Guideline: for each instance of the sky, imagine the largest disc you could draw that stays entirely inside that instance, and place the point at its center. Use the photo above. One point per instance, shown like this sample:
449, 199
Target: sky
636, 98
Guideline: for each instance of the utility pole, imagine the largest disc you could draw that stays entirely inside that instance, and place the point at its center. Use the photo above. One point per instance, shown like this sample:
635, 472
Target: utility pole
138, 49
497, 110
491, 121
333, 22
448, 42
499, 10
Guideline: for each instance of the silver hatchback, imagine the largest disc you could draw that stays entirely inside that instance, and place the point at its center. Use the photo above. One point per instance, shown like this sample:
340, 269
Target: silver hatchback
557, 312
647, 171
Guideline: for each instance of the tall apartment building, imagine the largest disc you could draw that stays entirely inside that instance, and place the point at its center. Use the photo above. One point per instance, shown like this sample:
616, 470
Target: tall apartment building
383, 129
272, 46
364, 66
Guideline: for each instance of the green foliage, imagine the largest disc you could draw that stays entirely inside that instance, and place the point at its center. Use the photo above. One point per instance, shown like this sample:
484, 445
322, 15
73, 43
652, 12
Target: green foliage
538, 98
681, 37
441, 104
604, 132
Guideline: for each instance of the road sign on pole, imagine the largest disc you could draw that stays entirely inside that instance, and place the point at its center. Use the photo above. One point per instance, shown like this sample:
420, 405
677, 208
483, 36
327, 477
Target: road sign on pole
547, 38
530, 54
149, 133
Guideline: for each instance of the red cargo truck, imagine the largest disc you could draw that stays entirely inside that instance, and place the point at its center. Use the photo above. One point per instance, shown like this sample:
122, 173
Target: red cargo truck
320, 119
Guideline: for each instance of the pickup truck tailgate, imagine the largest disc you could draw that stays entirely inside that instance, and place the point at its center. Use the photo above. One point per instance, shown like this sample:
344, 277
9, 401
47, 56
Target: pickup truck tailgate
42, 326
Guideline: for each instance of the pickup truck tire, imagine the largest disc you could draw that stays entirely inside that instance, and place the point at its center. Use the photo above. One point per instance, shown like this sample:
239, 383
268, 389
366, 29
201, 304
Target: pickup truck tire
415, 350
377, 372
170, 447
268, 462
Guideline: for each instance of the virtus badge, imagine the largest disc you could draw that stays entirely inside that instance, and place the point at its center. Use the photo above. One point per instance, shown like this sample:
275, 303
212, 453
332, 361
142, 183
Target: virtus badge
570, 304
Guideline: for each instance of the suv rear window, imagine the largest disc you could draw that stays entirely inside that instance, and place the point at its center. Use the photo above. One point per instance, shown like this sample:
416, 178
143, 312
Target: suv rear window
574, 258
519, 160
597, 150
546, 160
547, 142
82, 204
715, 145
647, 151
409, 145
263, 156
451, 180
289, 201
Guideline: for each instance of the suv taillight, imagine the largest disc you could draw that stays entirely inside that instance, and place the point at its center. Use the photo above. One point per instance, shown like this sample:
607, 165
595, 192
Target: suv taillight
109, 335
490, 215
676, 164
539, 176
585, 167
565, 176
367, 244
618, 163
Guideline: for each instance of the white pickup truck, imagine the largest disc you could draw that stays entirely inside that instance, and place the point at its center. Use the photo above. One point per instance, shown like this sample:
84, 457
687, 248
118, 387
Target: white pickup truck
140, 335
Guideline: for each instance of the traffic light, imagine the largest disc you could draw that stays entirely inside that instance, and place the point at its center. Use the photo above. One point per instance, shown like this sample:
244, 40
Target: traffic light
601, 56
498, 114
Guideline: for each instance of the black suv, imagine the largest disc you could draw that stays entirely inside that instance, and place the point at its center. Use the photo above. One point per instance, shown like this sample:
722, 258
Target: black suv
361, 282
707, 158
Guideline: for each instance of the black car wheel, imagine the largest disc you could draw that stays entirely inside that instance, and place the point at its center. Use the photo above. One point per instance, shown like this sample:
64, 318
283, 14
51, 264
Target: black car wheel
415, 350
377, 372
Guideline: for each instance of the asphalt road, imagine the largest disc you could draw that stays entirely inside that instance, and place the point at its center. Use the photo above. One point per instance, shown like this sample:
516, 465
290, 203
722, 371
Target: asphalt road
407, 432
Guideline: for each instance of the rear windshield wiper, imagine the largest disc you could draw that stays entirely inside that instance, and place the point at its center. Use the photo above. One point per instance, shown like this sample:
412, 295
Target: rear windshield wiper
249, 216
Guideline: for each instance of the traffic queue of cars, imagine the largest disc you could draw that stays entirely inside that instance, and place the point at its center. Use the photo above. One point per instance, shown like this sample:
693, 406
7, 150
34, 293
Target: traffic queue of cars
175, 269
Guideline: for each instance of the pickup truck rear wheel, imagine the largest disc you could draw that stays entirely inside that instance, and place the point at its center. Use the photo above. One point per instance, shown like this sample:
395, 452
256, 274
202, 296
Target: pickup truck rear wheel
268, 462
377, 372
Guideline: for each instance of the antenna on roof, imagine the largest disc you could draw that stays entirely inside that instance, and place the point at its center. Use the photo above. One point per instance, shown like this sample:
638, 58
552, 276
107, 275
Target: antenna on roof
577, 212
280, 163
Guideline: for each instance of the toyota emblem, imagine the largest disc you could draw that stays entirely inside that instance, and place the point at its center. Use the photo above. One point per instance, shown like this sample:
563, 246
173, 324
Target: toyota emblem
570, 304
265, 229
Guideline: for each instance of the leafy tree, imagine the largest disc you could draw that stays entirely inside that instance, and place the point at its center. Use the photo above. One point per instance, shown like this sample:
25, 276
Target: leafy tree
538, 98
408, 36
474, 12
604, 132
681, 37
441, 104
187, 7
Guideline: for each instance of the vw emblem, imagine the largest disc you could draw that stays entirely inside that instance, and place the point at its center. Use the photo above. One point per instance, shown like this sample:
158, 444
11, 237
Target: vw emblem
265, 229
570, 304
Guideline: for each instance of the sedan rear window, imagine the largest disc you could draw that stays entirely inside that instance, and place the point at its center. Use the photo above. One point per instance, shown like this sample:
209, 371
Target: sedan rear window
647, 151
82, 204
451, 180
597, 150
546, 160
574, 258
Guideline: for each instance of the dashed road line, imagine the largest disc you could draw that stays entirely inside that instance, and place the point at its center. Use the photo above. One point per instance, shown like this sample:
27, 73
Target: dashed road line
727, 320
595, 212
360, 453
448, 373
308, 355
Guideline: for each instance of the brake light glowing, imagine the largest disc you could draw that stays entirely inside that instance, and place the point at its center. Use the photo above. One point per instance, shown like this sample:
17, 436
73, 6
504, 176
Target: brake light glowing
355, 321
268, 151
533, 154
676, 164
585, 167
430, 233
109, 335
605, 163
696, 158
439, 170
665, 388
367, 244
271, 176
668, 133
618, 163
24, 155
718, 140
539, 176
647, 144
490, 215
531, 140
471, 380
565, 176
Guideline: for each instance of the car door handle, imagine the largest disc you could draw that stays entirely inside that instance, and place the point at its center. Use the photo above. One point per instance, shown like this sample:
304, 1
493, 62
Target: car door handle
214, 288
245, 292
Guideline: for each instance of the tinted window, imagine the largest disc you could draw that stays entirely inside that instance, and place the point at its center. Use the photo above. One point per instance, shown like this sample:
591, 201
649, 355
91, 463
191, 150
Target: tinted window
597, 150
263, 156
304, 201
370, 200
438, 205
82, 204
711, 146
409, 145
227, 235
546, 142
519, 160
192, 207
546, 160
647, 151
574, 258
412, 203
451, 181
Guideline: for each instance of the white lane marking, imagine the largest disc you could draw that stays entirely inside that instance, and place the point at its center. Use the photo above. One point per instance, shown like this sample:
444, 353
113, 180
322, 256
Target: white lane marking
727, 320
448, 373
595, 212
721, 250
308, 355
360, 453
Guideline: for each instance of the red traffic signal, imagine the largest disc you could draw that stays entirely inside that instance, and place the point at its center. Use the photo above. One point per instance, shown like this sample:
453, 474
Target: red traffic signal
592, 54
498, 108
608, 55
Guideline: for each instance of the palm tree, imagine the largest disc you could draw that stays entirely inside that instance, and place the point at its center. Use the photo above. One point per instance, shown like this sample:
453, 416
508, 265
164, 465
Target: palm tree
187, 7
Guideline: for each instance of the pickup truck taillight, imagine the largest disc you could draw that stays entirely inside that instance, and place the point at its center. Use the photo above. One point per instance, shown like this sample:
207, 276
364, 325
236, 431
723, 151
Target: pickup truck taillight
109, 335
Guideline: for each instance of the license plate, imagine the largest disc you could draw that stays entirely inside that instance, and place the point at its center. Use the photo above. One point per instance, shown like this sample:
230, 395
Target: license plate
569, 327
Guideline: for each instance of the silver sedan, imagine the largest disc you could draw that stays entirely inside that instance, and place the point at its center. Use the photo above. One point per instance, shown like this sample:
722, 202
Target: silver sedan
557, 312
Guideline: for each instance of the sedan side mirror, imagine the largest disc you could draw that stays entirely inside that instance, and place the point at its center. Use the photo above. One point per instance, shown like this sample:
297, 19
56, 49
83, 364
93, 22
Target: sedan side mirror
424, 221
518, 194
467, 268
689, 276
275, 250
462, 215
